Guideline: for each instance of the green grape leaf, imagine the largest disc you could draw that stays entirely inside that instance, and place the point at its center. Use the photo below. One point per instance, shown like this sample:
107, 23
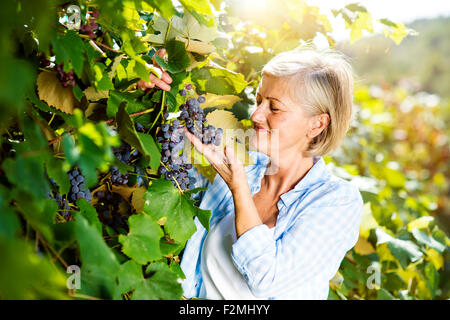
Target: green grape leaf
99, 264
25, 275
164, 7
163, 200
187, 27
9, 220
90, 214
144, 143
161, 282
404, 251
178, 57
219, 81
175, 267
69, 47
142, 242
56, 172
423, 237
432, 277
117, 97
169, 247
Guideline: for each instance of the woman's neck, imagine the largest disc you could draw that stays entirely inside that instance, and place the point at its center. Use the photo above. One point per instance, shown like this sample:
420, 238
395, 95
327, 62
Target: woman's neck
285, 171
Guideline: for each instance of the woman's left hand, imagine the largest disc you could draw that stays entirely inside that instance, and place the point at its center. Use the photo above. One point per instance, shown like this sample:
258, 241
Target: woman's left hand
227, 165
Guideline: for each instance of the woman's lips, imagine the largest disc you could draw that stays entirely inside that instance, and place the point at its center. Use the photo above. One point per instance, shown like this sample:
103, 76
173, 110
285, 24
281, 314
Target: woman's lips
260, 129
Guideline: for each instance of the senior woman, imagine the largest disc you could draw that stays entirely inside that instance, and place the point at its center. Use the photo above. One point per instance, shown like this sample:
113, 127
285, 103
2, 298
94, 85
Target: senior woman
281, 235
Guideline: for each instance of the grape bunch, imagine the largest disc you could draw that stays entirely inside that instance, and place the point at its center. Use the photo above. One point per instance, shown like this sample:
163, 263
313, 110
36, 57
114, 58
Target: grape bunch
78, 190
171, 138
66, 78
124, 155
108, 209
90, 25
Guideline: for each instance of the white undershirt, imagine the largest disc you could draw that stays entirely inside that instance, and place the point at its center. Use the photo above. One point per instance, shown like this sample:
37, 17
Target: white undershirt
221, 279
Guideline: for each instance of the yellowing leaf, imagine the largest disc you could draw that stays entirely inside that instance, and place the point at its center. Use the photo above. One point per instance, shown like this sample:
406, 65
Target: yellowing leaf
89, 130
208, 172
233, 133
363, 246
384, 253
54, 94
220, 102
196, 46
362, 22
124, 190
407, 274
420, 223
93, 95
368, 222
399, 33
435, 257
137, 199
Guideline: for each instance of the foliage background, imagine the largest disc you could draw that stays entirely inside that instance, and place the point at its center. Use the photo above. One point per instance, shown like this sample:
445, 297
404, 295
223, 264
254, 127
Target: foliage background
397, 150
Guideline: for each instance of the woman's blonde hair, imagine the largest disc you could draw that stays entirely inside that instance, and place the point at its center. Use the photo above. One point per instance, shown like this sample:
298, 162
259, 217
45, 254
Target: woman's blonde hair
323, 82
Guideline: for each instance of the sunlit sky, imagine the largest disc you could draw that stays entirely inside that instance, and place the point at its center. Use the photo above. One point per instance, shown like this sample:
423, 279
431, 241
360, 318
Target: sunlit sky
396, 10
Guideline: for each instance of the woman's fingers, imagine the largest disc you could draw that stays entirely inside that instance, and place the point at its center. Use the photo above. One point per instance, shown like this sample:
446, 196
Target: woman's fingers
161, 53
211, 153
166, 78
159, 83
162, 83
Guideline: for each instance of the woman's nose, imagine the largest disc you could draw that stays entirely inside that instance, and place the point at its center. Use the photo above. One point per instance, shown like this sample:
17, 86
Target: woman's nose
258, 114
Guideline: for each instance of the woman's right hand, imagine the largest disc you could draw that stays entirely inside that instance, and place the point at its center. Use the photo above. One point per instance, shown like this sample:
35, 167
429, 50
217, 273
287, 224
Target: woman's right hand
163, 83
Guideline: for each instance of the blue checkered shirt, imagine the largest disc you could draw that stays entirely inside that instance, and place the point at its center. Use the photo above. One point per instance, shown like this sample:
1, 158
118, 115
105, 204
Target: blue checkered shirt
318, 222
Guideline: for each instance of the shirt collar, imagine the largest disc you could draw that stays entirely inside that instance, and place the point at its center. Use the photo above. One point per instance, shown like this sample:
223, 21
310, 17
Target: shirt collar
317, 174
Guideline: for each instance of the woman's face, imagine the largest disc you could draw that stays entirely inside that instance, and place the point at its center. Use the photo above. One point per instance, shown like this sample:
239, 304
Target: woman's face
280, 123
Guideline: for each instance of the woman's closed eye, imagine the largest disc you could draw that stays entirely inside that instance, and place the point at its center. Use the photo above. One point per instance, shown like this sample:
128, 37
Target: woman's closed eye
273, 108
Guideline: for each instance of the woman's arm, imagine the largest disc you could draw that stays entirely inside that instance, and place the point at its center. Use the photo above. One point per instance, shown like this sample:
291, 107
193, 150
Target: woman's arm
246, 214
313, 247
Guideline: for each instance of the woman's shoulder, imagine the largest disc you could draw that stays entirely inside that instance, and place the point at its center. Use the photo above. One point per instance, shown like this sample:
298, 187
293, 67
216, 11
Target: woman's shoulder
336, 191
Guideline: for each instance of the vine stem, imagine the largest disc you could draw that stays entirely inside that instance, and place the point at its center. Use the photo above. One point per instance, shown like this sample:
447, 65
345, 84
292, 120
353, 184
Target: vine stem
163, 98
53, 251
99, 43
178, 186
83, 296
107, 122
51, 119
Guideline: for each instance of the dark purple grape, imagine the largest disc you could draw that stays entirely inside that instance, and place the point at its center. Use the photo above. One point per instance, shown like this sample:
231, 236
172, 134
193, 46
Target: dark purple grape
139, 127
182, 92
184, 115
201, 99
188, 86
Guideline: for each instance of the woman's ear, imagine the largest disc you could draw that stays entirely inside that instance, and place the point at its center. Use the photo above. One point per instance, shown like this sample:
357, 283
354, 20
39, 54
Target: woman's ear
318, 124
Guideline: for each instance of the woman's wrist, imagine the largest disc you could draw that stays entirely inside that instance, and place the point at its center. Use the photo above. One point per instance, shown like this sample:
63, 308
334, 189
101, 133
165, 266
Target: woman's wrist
240, 189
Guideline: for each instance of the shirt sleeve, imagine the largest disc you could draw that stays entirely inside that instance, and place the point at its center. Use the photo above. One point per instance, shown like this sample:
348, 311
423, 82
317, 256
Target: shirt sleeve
313, 246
